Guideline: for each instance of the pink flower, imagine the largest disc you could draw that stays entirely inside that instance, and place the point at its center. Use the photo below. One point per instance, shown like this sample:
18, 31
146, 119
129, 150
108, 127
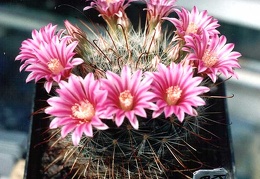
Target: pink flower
176, 91
107, 7
211, 55
194, 22
27, 53
113, 11
157, 9
47, 56
78, 108
128, 96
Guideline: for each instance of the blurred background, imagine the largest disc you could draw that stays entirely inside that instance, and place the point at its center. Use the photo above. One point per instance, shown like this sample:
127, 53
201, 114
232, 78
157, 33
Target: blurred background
240, 22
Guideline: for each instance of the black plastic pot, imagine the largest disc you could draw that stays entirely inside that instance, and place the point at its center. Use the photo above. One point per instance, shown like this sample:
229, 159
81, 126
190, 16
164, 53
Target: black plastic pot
214, 152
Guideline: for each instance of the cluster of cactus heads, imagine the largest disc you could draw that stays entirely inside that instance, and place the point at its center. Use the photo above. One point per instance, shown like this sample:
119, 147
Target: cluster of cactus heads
128, 103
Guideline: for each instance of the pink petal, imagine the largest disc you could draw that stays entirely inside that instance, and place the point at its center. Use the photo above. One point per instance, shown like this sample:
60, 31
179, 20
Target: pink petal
133, 120
75, 138
54, 123
88, 130
67, 129
77, 134
157, 113
140, 112
119, 118
47, 86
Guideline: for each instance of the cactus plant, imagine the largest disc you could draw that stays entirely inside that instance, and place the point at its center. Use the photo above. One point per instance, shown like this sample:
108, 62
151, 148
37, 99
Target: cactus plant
126, 102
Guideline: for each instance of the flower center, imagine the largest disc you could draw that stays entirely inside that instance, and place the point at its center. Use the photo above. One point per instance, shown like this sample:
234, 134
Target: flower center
126, 100
192, 28
209, 59
83, 110
173, 94
111, 1
55, 66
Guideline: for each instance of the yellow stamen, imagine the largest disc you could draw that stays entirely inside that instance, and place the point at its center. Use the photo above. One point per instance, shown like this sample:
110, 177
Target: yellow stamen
209, 59
55, 66
83, 110
110, 1
173, 94
192, 28
126, 100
